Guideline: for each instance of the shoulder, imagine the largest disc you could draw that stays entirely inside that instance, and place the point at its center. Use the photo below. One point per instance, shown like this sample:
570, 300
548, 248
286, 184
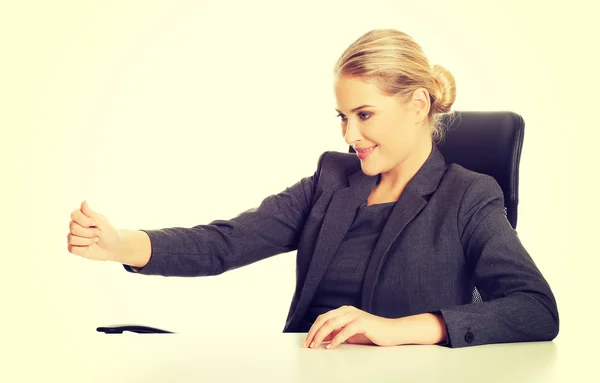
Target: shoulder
470, 183
476, 195
472, 194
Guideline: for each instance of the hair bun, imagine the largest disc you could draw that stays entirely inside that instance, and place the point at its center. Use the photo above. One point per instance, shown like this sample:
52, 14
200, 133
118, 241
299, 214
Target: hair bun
445, 90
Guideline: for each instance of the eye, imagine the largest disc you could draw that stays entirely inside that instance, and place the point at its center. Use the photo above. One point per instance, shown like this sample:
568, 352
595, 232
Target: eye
343, 117
364, 116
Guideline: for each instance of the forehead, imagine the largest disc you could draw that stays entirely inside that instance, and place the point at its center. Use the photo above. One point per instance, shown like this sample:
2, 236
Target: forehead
351, 92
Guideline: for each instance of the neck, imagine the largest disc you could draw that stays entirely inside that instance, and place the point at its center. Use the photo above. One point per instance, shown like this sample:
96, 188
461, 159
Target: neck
395, 180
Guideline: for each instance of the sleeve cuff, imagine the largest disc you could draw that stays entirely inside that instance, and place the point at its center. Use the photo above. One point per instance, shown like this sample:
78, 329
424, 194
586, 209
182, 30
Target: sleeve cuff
150, 267
462, 332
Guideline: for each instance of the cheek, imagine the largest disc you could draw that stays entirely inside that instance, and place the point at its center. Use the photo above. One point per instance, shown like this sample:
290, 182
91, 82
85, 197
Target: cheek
397, 142
391, 136
402, 135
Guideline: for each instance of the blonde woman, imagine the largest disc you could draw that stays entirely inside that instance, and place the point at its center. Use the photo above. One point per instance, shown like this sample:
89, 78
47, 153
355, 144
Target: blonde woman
390, 241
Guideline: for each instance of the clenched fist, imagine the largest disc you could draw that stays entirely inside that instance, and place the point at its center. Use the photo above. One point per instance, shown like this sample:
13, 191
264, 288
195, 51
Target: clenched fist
92, 236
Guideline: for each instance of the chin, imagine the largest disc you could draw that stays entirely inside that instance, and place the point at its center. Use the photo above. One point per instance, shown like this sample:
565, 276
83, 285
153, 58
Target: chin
370, 170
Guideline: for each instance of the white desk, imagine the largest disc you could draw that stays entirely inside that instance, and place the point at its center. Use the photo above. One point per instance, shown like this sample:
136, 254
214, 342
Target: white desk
280, 358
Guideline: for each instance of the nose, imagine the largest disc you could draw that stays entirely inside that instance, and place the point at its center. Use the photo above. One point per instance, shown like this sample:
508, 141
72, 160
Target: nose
351, 132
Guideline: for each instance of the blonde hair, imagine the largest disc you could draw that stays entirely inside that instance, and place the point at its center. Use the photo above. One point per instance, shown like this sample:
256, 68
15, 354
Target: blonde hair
394, 62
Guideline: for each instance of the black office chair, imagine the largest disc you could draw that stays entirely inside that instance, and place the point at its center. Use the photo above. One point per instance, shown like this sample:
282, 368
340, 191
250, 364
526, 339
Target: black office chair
485, 142
489, 143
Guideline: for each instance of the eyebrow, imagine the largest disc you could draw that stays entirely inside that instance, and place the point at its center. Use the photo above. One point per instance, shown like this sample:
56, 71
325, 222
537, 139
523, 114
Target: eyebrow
358, 108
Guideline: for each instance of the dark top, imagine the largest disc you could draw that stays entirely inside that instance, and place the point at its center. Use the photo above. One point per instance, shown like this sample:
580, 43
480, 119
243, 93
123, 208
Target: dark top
342, 283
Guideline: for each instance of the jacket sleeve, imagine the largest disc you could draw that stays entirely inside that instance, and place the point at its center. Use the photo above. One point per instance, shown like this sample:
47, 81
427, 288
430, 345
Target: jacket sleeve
518, 304
274, 227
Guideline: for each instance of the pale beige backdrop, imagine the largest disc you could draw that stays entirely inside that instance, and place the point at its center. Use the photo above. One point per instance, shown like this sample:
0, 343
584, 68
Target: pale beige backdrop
175, 113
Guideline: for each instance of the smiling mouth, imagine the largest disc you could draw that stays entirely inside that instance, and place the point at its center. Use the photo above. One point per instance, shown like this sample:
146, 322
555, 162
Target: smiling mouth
366, 150
364, 153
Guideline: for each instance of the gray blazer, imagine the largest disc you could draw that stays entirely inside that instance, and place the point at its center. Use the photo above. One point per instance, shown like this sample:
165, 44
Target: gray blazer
446, 234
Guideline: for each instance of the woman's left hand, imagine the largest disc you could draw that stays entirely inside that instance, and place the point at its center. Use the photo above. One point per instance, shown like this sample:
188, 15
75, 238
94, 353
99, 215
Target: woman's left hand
351, 325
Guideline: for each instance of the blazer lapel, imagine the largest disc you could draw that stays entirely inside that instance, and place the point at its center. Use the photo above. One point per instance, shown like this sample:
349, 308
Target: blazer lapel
408, 206
338, 219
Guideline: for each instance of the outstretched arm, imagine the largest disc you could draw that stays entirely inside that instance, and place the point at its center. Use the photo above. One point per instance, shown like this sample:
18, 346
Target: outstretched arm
272, 228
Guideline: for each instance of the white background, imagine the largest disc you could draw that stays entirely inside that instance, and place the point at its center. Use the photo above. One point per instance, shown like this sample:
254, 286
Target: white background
175, 113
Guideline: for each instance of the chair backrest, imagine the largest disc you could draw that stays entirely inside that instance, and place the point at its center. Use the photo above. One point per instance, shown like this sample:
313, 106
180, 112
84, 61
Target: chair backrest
489, 143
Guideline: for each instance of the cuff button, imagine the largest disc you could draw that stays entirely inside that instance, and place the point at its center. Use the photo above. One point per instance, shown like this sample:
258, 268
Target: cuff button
469, 337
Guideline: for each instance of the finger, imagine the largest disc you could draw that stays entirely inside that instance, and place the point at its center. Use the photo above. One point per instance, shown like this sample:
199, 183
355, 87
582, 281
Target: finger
78, 250
321, 319
331, 325
81, 231
81, 241
348, 331
85, 209
318, 323
82, 219
331, 335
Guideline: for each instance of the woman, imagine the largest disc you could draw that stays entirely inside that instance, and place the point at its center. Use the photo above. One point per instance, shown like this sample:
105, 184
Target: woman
390, 242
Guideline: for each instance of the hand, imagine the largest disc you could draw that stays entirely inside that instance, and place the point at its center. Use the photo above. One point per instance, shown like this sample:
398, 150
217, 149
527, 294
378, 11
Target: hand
351, 325
91, 235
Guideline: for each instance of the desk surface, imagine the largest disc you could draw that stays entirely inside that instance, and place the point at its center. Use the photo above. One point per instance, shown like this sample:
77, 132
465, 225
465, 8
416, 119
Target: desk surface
280, 358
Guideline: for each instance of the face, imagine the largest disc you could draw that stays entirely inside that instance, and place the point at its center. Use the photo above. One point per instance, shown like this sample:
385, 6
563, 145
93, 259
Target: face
384, 130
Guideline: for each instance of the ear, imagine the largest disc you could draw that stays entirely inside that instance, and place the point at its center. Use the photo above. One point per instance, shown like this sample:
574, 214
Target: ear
421, 103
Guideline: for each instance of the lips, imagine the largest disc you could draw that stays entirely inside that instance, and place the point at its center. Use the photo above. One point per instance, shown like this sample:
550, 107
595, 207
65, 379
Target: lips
365, 150
363, 153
